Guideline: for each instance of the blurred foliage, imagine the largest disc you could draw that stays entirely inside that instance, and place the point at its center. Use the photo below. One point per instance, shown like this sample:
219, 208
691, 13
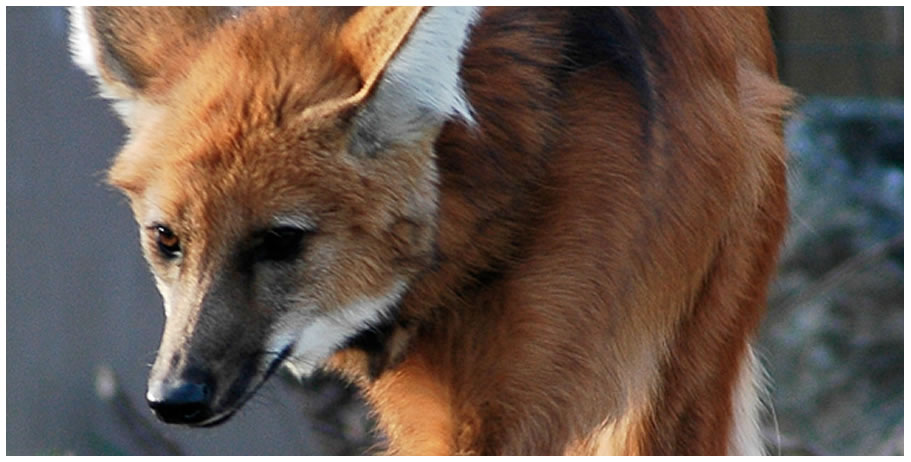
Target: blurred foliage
337, 413
833, 339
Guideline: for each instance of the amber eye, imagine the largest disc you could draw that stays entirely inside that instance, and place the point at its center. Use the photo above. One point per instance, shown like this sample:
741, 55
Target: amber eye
168, 242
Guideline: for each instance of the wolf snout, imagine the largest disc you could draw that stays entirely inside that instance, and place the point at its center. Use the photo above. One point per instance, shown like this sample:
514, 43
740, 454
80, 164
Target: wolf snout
181, 401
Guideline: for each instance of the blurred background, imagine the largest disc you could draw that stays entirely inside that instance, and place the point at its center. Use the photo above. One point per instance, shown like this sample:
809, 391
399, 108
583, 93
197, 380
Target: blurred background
84, 318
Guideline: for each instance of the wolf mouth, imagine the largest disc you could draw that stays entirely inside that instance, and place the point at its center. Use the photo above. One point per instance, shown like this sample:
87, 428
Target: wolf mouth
240, 392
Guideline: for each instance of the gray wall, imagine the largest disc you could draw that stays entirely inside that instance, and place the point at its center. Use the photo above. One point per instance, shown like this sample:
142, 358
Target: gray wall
864, 43
78, 292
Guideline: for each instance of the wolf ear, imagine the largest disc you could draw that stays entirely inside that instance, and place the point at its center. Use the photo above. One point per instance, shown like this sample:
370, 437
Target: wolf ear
410, 60
133, 52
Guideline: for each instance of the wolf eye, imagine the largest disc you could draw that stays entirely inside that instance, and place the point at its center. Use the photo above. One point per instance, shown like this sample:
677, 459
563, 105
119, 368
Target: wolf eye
278, 244
168, 242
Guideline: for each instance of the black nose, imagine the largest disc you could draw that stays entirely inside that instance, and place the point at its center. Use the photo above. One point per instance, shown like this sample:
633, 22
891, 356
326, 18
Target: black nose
181, 401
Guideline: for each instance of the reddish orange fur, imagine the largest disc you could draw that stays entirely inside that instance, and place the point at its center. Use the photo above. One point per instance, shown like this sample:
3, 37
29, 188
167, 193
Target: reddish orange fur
685, 245
595, 281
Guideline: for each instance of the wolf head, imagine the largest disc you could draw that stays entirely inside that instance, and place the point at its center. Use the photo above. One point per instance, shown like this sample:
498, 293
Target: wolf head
280, 167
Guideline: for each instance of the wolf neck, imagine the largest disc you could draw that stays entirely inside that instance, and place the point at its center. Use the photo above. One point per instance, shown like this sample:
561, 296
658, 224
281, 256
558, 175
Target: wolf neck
490, 173
491, 169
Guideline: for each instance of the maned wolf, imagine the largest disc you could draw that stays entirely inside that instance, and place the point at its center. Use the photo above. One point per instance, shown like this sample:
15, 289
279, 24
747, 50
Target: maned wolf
519, 230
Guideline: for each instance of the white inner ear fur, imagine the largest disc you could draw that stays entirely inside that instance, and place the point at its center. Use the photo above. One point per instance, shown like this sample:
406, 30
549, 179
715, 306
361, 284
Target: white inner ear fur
420, 87
82, 45
84, 48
